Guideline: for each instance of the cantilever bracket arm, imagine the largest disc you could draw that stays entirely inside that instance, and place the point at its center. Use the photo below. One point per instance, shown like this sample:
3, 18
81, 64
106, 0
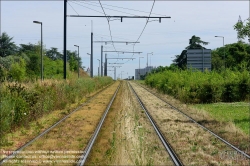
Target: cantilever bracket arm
121, 17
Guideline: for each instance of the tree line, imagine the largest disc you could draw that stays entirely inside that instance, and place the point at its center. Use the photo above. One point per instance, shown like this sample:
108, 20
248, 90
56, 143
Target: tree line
237, 55
19, 63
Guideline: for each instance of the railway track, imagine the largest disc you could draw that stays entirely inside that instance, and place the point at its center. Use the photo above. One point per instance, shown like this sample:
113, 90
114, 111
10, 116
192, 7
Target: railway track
176, 160
218, 146
174, 153
94, 136
203, 127
89, 145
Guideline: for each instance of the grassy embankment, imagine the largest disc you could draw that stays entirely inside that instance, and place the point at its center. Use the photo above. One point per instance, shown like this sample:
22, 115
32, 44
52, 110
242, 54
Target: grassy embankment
224, 95
24, 104
236, 112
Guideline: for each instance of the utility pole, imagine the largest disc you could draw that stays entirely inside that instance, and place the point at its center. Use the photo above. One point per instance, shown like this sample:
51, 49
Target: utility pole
91, 59
140, 68
99, 68
117, 58
105, 68
78, 59
115, 63
127, 42
101, 61
38, 22
65, 23
147, 60
64, 39
114, 70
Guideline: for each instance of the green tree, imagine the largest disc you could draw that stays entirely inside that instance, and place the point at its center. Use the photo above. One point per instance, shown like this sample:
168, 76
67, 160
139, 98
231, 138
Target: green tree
29, 48
54, 54
181, 60
31, 53
243, 30
237, 56
17, 71
217, 60
72, 58
7, 46
6, 62
194, 43
52, 68
33, 65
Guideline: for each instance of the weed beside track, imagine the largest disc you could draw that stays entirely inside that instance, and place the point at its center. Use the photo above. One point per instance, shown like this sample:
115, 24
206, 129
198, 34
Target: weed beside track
65, 142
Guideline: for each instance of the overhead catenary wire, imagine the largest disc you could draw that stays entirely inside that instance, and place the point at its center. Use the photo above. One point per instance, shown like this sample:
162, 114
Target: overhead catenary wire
108, 19
107, 8
109, 36
87, 7
124, 8
73, 8
109, 26
74, 1
145, 25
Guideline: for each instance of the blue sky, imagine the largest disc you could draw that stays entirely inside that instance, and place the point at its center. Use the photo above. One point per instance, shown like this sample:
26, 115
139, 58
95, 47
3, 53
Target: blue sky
166, 39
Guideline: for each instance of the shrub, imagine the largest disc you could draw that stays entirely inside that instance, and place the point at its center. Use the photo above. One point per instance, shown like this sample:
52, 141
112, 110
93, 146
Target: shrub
19, 104
202, 87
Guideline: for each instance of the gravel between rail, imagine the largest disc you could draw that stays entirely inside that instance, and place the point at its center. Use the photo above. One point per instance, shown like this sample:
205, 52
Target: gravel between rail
127, 137
194, 145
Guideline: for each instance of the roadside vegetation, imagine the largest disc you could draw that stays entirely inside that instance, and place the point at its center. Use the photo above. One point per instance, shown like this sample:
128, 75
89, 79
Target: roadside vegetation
23, 63
199, 87
229, 80
23, 103
224, 92
24, 97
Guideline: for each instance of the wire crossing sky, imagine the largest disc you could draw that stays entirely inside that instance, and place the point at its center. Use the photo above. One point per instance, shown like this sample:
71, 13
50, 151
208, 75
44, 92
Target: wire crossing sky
205, 19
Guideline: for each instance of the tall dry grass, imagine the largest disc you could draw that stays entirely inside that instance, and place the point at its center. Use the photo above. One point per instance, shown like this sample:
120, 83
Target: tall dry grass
21, 103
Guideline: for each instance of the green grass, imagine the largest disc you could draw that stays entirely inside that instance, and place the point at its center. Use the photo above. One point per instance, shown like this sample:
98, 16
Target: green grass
238, 113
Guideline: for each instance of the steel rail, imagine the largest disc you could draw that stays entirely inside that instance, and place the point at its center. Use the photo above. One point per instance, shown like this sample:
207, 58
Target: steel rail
88, 148
211, 132
169, 149
2, 161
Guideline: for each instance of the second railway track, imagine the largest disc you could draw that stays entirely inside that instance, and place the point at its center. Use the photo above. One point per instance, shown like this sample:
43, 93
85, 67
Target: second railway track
126, 136
200, 125
176, 160
187, 135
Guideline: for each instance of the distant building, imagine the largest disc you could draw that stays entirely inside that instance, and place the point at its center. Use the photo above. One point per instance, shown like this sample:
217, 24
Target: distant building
199, 59
142, 71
